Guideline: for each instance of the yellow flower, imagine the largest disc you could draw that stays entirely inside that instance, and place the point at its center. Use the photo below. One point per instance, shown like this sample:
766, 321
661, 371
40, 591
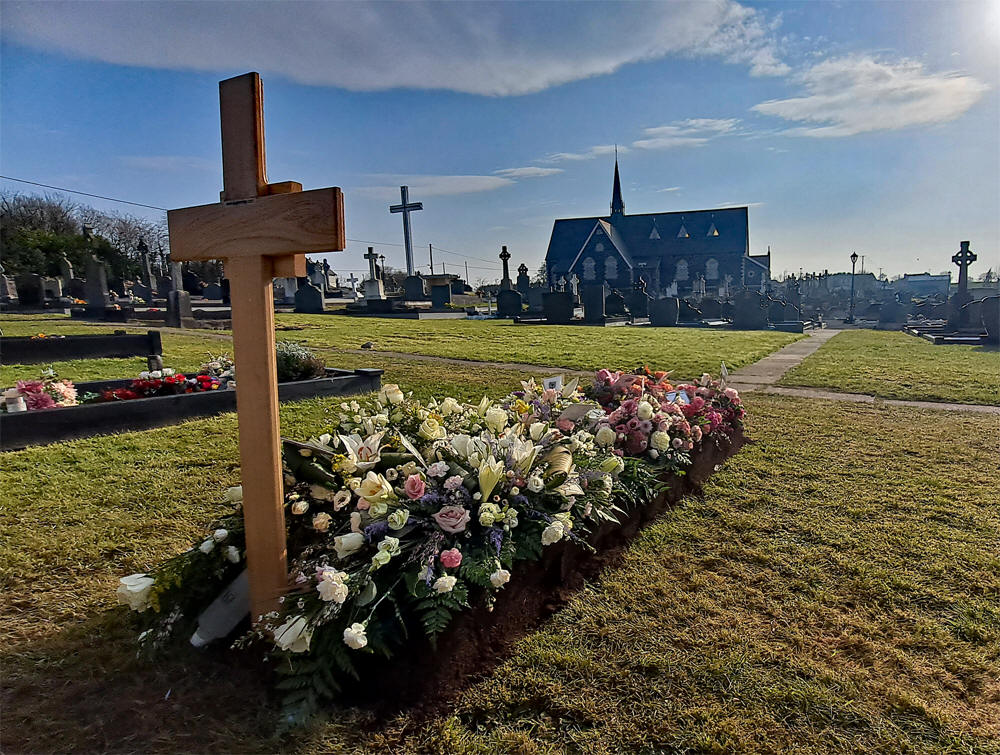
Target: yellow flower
491, 472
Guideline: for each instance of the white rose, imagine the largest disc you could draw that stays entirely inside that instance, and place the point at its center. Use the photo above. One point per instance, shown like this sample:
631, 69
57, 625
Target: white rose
496, 419
354, 636
605, 436
391, 393
220, 534
232, 553
156, 374
553, 533
208, 546
321, 522
449, 406
300, 507
536, 484
294, 635
347, 544
445, 584
499, 578
375, 488
431, 429
644, 410
134, 590
235, 494
660, 440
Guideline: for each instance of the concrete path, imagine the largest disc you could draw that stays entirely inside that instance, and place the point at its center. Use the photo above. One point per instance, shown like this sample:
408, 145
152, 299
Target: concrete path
770, 369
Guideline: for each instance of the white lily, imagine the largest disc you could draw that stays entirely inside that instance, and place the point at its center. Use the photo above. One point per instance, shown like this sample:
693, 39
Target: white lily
570, 388
491, 472
523, 454
365, 454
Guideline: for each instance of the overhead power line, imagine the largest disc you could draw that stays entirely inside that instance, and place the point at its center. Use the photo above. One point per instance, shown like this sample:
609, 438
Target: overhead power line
84, 193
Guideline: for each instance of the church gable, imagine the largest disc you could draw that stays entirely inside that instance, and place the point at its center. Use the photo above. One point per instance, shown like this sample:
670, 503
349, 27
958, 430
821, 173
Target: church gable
601, 256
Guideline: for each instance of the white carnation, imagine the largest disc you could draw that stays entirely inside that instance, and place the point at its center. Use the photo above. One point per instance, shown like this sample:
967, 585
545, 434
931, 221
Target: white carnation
355, 637
445, 584
499, 578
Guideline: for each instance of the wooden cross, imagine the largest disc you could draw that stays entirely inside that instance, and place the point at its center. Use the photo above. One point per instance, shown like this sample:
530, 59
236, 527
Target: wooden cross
262, 230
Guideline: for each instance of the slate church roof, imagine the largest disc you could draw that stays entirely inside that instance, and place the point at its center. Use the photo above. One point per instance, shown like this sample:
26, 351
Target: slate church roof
649, 236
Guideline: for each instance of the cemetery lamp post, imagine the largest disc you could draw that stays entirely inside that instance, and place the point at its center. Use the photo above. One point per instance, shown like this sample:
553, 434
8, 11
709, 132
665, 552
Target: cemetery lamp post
854, 261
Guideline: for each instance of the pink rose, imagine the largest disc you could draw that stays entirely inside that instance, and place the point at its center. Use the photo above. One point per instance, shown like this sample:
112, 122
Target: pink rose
696, 433
451, 558
566, 425
452, 518
732, 394
414, 487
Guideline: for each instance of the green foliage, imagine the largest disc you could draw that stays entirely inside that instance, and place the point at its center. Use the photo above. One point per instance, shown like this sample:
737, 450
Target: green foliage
435, 610
296, 362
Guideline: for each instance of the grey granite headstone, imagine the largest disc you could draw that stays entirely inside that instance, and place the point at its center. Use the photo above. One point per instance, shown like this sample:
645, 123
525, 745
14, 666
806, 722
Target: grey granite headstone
687, 312
414, 289
892, 311
558, 307
178, 309
440, 296
164, 285
96, 287
749, 311
30, 289
213, 291
663, 312
614, 305
309, 300
77, 288
989, 313
143, 292
523, 281
508, 303
711, 309
52, 288
535, 298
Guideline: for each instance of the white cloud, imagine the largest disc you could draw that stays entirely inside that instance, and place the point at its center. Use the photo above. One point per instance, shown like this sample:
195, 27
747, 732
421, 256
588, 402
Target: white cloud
527, 172
859, 94
669, 188
480, 48
589, 154
693, 132
170, 163
430, 186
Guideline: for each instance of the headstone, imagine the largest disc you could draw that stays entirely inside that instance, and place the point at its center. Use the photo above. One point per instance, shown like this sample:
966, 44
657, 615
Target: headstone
725, 288
793, 295
192, 283
535, 298
687, 312
8, 290
574, 287
509, 303
353, 283
30, 289
213, 292
523, 281
749, 311
891, 312
414, 289
52, 288
440, 296
776, 312
178, 308
96, 291
285, 290
505, 282
973, 314
989, 313
458, 286
957, 316
711, 308
164, 285
614, 305
143, 292
374, 290
558, 307
792, 313
309, 300
405, 208
65, 270
592, 295
664, 312
78, 288
638, 299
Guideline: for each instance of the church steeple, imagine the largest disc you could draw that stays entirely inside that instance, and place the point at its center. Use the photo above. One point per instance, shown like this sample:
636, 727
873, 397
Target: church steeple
617, 204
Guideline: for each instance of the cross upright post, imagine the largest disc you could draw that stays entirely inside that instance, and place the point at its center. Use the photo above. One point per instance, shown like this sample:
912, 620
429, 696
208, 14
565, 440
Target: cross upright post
963, 258
262, 230
504, 255
406, 207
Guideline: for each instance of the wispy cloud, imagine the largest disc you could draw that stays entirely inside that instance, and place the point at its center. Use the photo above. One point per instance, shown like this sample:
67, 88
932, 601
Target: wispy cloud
588, 154
859, 94
529, 171
669, 188
693, 132
429, 185
494, 49
739, 204
169, 163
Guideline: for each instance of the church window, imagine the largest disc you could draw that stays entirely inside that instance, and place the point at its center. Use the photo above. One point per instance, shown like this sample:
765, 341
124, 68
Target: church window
682, 271
589, 269
713, 231
610, 268
598, 247
683, 233
654, 235
712, 269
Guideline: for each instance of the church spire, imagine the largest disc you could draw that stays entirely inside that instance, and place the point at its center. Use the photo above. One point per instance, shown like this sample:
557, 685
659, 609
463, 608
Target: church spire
617, 204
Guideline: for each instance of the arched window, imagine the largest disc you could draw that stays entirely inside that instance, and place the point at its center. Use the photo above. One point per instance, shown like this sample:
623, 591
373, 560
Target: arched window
598, 247
711, 269
589, 269
610, 268
682, 271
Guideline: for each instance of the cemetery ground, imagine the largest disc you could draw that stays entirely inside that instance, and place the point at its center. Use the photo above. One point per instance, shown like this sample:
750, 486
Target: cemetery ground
834, 589
895, 365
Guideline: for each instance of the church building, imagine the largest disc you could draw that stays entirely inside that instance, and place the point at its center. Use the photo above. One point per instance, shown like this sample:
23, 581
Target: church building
672, 251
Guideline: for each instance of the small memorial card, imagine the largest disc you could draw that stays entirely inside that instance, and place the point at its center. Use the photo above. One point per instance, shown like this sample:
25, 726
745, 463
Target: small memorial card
678, 397
553, 383
576, 411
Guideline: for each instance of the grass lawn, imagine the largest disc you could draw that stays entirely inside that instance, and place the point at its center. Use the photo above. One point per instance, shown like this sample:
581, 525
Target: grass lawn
896, 365
688, 352
836, 589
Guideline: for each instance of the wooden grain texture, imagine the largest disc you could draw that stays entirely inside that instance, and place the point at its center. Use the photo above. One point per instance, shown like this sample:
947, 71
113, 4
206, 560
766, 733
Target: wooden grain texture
280, 224
241, 105
259, 428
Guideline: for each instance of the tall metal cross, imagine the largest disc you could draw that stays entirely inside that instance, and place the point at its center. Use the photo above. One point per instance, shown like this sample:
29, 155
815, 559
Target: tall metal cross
406, 207
963, 258
262, 230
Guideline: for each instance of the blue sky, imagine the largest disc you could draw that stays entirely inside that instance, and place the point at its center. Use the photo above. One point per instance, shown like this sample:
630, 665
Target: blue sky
868, 126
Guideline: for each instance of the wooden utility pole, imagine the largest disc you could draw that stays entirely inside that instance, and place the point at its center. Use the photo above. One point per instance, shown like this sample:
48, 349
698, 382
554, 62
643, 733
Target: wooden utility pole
262, 231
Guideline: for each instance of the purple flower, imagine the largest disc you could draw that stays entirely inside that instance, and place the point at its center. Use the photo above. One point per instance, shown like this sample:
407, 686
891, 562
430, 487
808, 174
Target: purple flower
496, 538
375, 531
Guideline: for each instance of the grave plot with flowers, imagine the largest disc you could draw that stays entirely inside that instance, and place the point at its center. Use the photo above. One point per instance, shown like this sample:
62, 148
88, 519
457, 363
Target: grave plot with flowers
424, 537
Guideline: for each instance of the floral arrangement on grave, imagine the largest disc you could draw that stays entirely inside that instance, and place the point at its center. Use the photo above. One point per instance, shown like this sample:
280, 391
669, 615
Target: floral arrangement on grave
165, 382
40, 336
297, 362
222, 366
406, 513
49, 392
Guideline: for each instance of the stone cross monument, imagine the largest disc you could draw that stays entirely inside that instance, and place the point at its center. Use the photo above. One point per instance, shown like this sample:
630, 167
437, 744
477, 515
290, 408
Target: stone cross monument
963, 258
505, 283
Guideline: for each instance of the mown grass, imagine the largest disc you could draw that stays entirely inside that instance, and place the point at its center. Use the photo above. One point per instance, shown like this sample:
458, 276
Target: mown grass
686, 351
836, 589
900, 366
